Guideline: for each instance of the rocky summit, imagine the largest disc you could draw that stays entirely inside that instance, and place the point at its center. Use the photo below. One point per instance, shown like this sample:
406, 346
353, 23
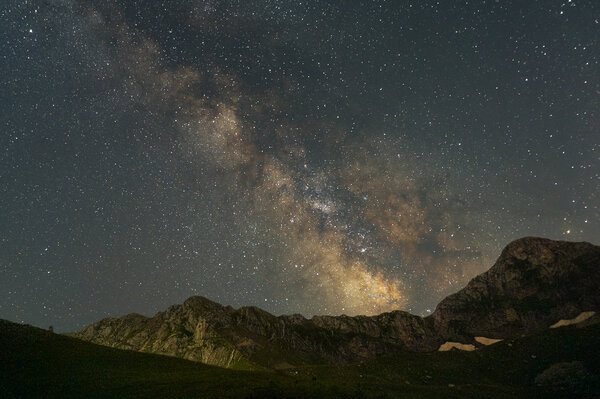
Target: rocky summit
534, 283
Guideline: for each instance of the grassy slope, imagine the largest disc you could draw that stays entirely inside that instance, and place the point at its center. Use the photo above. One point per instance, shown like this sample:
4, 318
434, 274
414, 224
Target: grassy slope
35, 363
503, 370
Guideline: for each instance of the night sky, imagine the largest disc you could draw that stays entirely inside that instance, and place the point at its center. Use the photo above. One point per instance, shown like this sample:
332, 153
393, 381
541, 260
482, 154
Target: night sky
313, 157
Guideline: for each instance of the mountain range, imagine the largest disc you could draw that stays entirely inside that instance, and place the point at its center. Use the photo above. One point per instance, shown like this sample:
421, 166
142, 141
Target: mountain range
534, 284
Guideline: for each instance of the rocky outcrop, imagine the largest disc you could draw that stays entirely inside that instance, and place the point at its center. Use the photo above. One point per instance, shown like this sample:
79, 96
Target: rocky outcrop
534, 283
572, 377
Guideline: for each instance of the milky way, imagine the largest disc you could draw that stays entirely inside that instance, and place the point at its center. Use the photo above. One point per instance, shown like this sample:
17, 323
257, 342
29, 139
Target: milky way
305, 157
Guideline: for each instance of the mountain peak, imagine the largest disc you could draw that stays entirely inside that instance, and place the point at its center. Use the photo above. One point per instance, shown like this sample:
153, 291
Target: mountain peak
534, 280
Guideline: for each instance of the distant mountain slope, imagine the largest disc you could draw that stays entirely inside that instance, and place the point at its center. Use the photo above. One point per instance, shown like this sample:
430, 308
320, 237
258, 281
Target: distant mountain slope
249, 337
534, 283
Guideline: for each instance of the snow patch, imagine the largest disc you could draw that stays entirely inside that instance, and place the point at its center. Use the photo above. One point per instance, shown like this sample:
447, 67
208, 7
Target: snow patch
487, 341
450, 345
582, 316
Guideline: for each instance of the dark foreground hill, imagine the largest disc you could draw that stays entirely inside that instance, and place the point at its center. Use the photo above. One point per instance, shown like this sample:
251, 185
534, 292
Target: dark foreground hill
534, 283
556, 363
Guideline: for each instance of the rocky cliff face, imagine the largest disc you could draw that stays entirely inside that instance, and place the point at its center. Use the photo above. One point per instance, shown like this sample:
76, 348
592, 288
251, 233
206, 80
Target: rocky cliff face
534, 283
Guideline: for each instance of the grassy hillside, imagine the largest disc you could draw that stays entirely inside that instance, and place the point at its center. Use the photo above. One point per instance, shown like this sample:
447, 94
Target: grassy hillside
36, 363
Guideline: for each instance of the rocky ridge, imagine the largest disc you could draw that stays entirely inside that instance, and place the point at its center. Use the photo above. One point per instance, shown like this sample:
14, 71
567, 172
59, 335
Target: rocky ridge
534, 283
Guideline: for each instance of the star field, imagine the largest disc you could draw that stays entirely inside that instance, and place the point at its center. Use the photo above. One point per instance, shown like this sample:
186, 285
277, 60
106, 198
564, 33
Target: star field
310, 157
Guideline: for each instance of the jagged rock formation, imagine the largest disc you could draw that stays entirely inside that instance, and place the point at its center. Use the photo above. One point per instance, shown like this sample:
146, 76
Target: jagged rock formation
534, 283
